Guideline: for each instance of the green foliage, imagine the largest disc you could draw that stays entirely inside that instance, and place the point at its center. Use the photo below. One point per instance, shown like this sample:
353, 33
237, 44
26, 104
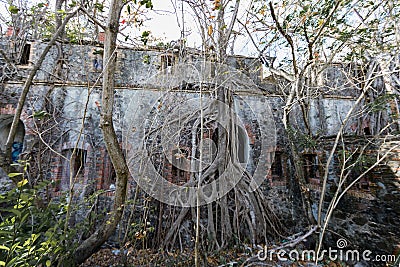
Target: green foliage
146, 59
380, 103
302, 140
146, 3
42, 20
347, 29
74, 32
29, 229
145, 37
72, 4
13, 9
356, 162
99, 7
19, 233
40, 114
98, 52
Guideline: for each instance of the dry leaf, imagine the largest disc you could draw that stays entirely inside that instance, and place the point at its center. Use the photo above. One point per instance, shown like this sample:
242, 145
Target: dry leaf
210, 30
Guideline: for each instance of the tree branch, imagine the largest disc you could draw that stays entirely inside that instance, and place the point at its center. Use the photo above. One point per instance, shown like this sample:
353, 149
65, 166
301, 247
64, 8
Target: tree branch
93, 243
95, 21
286, 36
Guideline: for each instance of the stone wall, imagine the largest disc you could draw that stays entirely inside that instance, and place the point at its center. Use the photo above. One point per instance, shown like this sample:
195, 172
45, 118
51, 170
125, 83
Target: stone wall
367, 216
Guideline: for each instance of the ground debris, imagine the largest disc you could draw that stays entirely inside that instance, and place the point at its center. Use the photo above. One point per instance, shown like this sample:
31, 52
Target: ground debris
113, 257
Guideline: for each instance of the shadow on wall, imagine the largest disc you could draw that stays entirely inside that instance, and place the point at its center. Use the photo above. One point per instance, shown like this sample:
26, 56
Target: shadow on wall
5, 126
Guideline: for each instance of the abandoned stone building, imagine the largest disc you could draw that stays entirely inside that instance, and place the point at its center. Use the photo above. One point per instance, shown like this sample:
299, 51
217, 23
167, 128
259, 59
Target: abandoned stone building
64, 105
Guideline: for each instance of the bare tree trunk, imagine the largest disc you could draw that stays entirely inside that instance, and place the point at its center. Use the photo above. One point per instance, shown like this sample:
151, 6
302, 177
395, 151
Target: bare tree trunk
384, 64
58, 6
93, 243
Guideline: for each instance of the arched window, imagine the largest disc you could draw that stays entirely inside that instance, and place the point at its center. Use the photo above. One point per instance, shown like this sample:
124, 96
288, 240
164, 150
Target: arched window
5, 126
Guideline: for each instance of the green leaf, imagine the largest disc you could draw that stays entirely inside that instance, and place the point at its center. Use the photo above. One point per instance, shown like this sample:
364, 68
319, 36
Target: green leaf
4, 248
16, 212
146, 59
48, 263
24, 218
15, 262
40, 114
22, 183
13, 9
73, 4
147, 3
145, 37
98, 52
13, 174
99, 7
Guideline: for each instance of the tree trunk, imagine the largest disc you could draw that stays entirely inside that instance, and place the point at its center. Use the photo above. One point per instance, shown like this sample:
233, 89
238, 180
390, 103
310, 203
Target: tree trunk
384, 64
93, 243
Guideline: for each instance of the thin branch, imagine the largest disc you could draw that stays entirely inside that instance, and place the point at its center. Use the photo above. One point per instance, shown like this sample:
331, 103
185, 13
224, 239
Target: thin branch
96, 21
233, 20
286, 36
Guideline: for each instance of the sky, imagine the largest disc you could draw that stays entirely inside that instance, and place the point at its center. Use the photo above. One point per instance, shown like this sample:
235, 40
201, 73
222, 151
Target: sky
165, 23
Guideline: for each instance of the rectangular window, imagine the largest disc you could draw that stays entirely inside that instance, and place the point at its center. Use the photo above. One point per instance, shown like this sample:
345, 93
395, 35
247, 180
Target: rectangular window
97, 60
109, 176
276, 167
277, 174
25, 54
78, 161
167, 61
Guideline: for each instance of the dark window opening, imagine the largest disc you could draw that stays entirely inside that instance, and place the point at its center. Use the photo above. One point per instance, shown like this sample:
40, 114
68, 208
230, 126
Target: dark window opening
97, 60
310, 162
276, 167
364, 183
24, 60
167, 61
367, 131
242, 145
97, 64
109, 176
78, 161
77, 168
